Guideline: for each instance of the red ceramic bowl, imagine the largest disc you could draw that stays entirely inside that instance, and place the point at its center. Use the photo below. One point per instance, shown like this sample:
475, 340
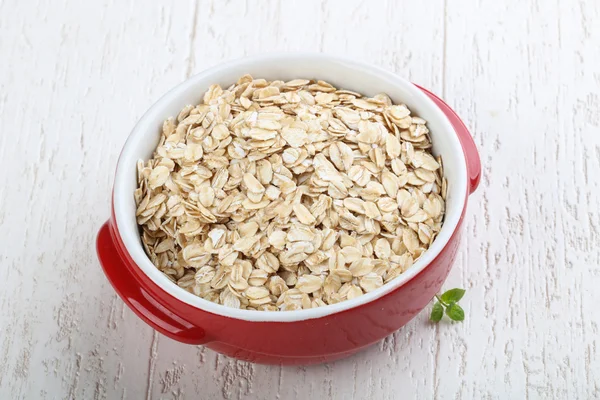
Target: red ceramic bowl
288, 337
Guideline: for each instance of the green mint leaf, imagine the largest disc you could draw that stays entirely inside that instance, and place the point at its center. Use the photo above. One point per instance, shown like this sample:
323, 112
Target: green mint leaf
455, 312
452, 295
437, 312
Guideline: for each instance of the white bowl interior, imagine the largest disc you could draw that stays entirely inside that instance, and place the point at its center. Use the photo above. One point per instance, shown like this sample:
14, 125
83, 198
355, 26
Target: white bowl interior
342, 73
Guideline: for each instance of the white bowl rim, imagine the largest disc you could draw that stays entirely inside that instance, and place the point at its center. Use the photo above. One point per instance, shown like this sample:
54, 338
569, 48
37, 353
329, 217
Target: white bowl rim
132, 244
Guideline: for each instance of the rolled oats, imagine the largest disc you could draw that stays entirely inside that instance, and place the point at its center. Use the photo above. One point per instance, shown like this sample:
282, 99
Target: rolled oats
289, 195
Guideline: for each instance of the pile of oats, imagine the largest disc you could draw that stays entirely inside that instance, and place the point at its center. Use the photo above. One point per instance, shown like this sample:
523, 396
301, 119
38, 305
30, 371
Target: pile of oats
289, 195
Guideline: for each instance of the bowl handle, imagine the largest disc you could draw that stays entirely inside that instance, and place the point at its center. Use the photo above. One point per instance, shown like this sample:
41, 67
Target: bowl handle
466, 140
138, 298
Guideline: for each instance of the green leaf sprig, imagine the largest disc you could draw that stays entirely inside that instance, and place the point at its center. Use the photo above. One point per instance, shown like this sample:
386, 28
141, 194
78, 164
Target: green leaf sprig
447, 302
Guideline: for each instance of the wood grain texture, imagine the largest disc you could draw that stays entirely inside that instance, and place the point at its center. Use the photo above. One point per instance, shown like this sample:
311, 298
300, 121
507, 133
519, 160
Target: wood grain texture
74, 78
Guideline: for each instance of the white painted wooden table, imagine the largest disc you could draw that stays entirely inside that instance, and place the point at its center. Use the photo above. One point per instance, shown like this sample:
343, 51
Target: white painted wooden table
525, 76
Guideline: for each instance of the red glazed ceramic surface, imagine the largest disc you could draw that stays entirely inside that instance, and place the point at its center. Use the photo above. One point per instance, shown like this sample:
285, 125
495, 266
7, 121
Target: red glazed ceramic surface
299, 342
